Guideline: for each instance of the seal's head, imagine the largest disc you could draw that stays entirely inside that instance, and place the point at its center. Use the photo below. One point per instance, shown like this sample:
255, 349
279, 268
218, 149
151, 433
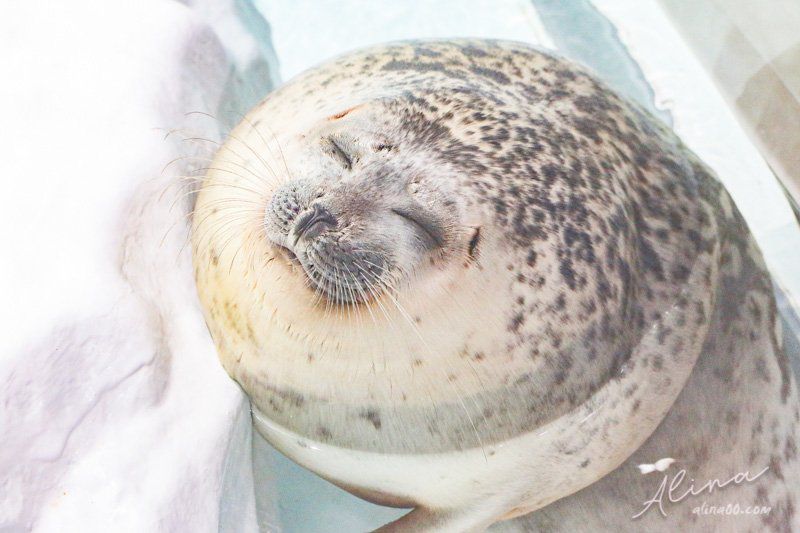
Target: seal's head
419, 222
364, 219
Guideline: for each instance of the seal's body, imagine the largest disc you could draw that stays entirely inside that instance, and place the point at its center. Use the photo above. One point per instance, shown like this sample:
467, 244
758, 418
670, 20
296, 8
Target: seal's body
466, 277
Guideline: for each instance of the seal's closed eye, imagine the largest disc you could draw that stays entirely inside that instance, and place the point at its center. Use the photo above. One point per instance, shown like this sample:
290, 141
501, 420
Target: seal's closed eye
337, 151
429, 227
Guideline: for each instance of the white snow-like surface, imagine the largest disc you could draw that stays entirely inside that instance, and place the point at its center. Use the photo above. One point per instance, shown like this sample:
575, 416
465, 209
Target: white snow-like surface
116, 415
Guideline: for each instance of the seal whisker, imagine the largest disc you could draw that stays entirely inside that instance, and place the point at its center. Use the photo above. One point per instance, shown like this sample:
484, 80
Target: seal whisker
253, 212
390, 323
202, 178
280, 150
352, 304
232, 151
360, 290
375, 294
236, 253
240, 141
261, 159
460, 397
229, 224
185, 195
349, 302
255, 129
237, 186
182, 195
277, 143
211, 230
339, 298
233, 235
214, 229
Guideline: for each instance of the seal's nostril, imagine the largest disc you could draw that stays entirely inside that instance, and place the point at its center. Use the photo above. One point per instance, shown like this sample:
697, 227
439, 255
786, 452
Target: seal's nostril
314, 223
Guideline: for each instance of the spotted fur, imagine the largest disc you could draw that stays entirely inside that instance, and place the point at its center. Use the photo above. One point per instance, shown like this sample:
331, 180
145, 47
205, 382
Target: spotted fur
591, 263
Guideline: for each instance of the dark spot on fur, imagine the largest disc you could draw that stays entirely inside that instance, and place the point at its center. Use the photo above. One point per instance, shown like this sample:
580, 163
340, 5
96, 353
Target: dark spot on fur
790, 449
775, 467
516, 322
373, 417
494, 75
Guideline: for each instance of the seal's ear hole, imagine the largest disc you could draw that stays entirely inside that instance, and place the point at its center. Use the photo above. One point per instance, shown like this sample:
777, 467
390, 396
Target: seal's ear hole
472, 248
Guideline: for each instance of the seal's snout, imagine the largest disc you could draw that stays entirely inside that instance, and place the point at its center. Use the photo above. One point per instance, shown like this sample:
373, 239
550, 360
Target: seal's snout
283, 209
309, 225
314, 223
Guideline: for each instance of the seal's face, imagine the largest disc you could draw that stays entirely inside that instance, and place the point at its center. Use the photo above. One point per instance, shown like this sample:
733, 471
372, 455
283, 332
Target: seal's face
432, 233
365, 220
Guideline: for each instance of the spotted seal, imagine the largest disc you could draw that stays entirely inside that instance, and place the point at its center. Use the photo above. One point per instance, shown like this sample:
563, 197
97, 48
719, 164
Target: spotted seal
468, 278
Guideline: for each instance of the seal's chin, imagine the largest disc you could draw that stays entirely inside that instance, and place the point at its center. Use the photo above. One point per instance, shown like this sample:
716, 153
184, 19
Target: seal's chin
339, 278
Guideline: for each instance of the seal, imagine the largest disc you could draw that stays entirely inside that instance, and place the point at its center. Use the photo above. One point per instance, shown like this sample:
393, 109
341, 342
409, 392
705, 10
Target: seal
468, 278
